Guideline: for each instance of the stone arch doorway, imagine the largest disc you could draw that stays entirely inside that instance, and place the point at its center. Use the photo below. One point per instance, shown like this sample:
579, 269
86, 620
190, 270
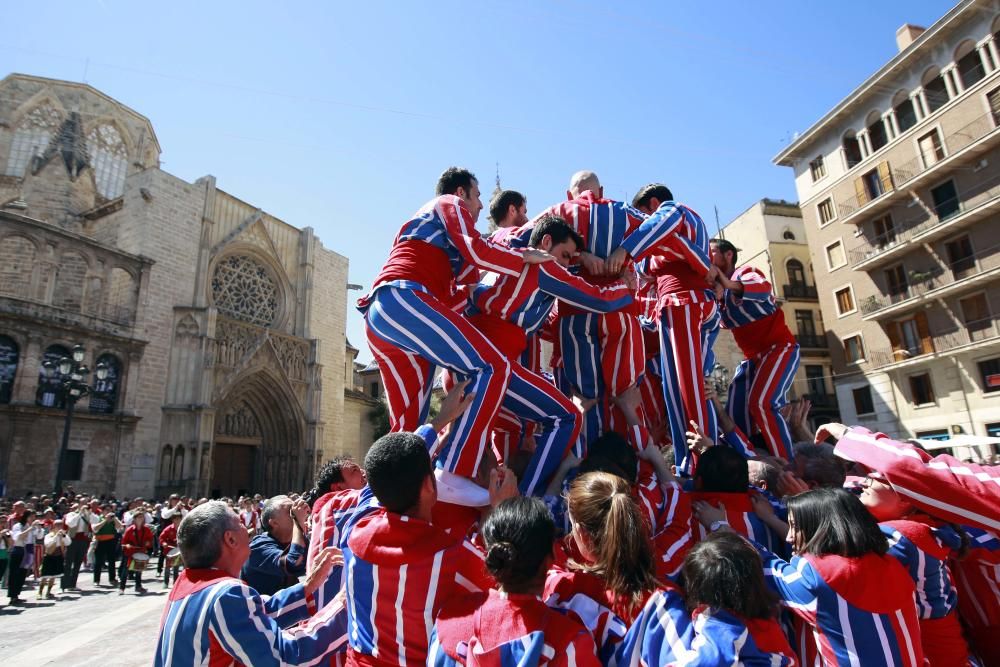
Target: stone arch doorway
258, 446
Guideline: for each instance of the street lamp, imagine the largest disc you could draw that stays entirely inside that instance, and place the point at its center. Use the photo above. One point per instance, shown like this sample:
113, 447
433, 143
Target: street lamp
73, 386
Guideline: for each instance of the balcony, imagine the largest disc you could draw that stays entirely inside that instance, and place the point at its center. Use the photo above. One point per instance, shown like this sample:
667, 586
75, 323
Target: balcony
812, 341
923, 228
960, 145
936, 283
800, 292
978, 333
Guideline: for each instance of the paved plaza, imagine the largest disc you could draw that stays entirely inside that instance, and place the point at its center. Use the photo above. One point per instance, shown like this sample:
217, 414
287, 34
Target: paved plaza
92, 627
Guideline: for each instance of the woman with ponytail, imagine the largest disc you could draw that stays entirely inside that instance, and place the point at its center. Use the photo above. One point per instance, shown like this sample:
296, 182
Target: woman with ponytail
616, 576
511, 625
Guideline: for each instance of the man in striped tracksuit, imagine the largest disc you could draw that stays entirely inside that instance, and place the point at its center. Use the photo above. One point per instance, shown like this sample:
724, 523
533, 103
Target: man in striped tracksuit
400, 567
677, 238
602, 354
512, 310
212, 617
412, 329
749, 310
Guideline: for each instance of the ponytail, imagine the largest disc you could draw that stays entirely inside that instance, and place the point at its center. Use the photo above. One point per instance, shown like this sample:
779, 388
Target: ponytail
601, 504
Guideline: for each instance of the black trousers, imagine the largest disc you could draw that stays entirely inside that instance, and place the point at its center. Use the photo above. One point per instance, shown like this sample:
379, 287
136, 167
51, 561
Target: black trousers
76, 552
17, 574
104, 557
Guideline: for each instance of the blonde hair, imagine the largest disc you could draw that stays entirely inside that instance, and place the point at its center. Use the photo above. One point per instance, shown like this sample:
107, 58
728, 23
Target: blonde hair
601, 504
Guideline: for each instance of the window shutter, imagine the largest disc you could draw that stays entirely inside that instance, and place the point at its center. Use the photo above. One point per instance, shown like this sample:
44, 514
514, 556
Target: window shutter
885, 176
860, 191
895, 340
926, 344
994, 99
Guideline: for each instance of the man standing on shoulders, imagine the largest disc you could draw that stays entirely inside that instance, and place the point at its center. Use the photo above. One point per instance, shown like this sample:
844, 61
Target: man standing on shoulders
278, 555
213, 618
749, 310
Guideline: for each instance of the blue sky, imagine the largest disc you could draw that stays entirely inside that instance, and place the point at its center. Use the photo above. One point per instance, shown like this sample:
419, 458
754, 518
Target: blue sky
340, 116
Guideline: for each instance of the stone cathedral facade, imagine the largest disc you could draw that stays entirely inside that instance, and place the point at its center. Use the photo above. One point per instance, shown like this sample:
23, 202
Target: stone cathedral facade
223, 327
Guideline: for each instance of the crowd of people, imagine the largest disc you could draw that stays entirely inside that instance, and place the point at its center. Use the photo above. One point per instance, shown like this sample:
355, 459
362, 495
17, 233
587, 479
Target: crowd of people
535, 519
604, 510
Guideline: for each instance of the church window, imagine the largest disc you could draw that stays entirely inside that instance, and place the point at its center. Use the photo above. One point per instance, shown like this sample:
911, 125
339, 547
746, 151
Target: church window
166, 460
8, 367
105, 394
244, 290
32, 137
109, 159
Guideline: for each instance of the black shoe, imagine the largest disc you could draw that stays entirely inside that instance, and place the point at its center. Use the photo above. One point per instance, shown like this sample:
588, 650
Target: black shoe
140, 590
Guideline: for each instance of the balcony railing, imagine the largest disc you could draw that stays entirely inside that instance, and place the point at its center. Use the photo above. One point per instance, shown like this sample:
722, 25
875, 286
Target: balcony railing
977, 331
907, 229
812, 341
922, 282
800, 291
901, 174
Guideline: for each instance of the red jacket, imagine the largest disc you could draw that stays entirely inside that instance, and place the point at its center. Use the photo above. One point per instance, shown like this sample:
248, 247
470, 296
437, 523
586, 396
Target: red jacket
136, 540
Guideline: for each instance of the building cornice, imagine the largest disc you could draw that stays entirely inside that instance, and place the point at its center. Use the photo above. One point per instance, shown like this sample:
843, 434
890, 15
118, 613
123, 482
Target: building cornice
873, 83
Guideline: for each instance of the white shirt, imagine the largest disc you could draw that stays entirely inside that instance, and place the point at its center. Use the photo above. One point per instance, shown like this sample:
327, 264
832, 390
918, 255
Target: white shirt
24, 536
52, 541
167, 513
77, 523
128, 518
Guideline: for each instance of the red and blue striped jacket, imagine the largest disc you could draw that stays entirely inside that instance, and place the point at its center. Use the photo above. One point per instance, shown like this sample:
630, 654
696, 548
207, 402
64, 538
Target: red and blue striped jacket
977, 577
602, 224
665, 635
214, 619
335, 513
507, 630
923, 548
526, 300
440, 246
862, 610
676, 240
756, 319
944, 487
400, 571
585, 597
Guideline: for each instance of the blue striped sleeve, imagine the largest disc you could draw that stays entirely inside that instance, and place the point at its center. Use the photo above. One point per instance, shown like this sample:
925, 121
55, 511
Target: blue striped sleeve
795, 582
654, 230
242, 627
555, 280
429, 435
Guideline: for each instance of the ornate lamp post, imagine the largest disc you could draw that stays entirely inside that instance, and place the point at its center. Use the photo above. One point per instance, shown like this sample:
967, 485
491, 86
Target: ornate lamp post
72, 379
720, 377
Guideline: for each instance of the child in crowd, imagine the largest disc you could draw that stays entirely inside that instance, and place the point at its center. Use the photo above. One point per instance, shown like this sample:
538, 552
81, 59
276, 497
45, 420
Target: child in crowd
168, 541
54, 544
510, 625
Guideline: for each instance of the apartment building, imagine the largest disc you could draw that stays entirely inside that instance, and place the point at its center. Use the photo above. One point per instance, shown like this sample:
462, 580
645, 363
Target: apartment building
899, 186
771, 236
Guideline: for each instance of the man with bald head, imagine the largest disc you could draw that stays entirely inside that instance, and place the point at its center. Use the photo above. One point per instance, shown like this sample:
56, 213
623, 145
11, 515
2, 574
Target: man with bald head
601, 354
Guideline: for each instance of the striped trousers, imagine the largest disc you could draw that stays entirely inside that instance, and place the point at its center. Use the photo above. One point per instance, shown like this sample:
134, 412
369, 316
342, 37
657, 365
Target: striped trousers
602, 356
683, 341
533, 399
411, 332
757, 393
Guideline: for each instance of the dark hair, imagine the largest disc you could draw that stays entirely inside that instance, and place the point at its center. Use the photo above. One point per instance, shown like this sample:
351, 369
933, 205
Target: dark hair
331, 473
724, 571
834, 522
611, 448
454, 178
726, 246
819, 464
602, 505
518, 535
647, 192
722, 469
503, 200
556, 228
397, 465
